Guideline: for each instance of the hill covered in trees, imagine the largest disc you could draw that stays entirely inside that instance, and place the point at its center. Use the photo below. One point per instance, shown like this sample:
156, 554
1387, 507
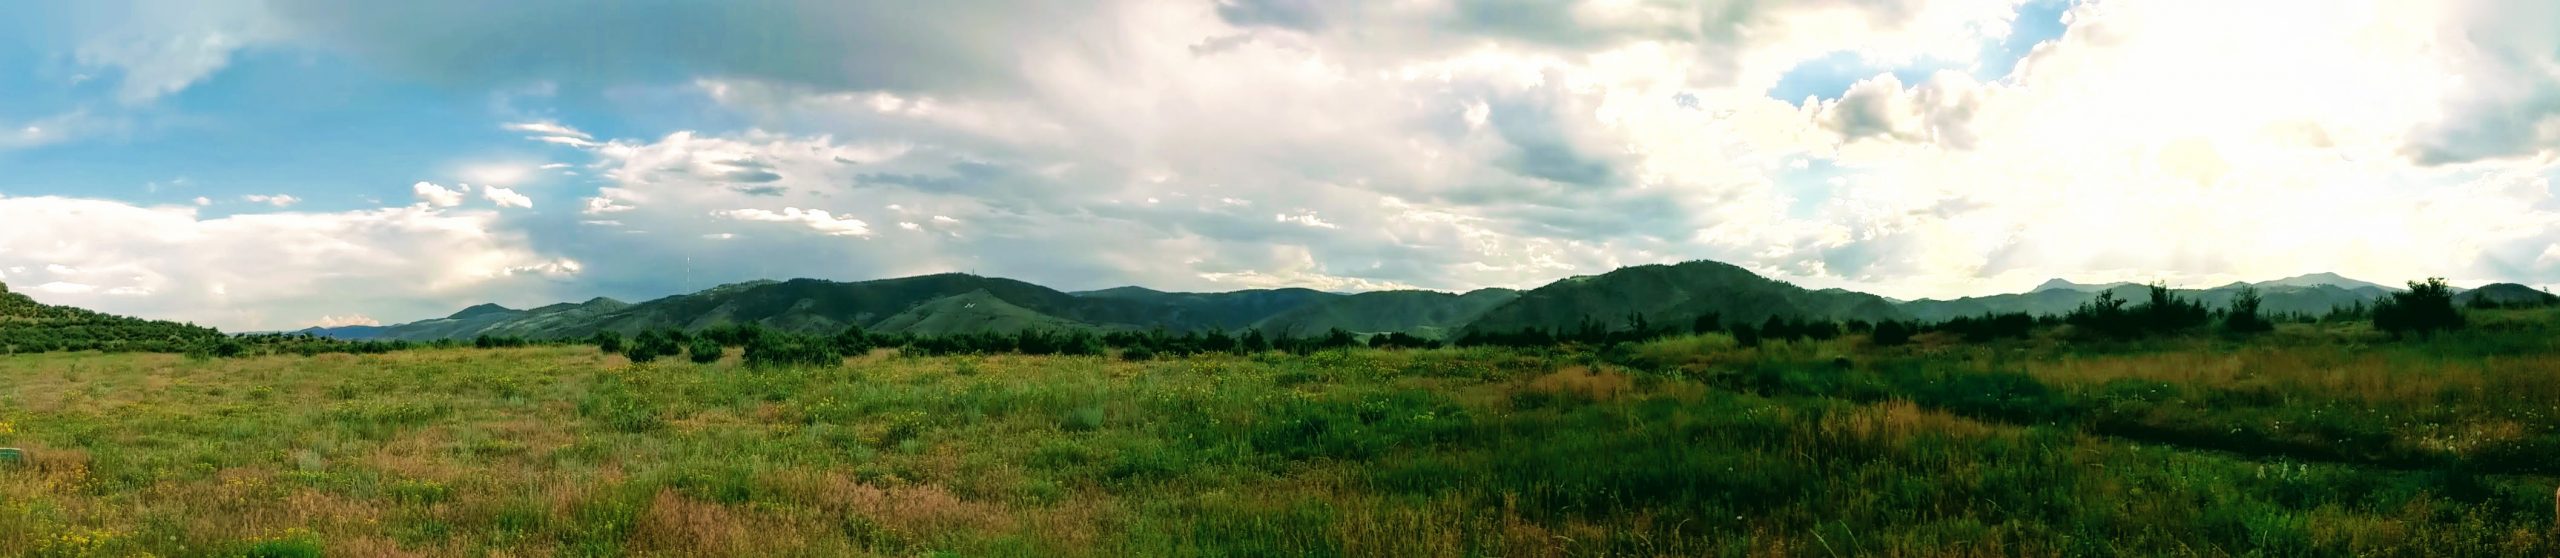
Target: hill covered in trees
1671, 296
30, 326
1429, 314
1677, 294
2313, 294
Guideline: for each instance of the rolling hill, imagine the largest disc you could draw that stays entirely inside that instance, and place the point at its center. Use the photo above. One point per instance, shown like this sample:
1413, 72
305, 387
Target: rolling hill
1666, 295
1676, 294
1233, 310
2309, 294
30, 326
1429, 314
2507, 294
971, 312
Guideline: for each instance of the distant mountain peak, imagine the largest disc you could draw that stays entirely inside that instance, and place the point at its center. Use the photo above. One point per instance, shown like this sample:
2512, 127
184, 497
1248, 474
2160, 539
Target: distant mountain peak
479, 310
2323, 278
2060, 284
1121, 291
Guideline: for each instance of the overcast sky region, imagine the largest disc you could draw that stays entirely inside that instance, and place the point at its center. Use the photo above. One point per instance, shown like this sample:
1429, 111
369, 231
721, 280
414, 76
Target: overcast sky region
277, 164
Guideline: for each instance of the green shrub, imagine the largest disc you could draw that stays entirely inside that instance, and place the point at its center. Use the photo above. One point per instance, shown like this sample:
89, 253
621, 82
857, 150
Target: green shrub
704, 350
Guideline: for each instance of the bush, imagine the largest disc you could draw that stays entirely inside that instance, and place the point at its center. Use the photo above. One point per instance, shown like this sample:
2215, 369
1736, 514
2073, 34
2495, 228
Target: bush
2426, 308
704, 350
650, 345
775, 350
608, 341
1137, 353
2242, 316
1891, 333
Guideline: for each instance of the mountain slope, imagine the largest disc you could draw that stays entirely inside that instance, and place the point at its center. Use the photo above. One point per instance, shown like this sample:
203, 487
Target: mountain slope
975, 311
1233, 310
2310, 298
812, 305
1674, 295
2506, 294
30, 326
1431, 314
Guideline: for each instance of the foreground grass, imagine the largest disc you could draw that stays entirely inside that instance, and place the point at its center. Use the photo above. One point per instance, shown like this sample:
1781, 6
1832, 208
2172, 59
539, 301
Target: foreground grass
1685, 447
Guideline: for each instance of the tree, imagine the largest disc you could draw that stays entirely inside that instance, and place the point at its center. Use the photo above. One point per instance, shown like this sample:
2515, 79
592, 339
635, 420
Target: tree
608, 341
704, 350
773, 350
854, 341
1890, 333
1710, 322
1745, 335
2242, 316
1253, 342
2166, 312
2426, 308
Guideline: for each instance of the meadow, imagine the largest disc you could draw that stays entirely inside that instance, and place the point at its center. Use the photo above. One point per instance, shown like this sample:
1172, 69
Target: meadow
2313, 440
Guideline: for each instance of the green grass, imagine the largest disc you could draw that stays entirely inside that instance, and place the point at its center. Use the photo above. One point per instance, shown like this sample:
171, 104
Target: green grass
2307, 442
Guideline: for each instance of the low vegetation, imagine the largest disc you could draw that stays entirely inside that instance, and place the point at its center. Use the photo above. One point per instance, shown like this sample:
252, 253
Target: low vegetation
2305, 439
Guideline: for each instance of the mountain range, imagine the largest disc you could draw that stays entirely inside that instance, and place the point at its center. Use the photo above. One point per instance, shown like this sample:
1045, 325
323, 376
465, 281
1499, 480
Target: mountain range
1664, 295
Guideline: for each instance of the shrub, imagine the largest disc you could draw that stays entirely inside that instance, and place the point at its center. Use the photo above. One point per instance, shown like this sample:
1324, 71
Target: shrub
2426, 308
775, 350
704, 350
1890, 333
1137, 353
608, 341
2242, 316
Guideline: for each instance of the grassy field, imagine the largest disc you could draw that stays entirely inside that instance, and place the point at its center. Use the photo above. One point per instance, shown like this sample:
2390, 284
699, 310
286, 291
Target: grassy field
2311, 441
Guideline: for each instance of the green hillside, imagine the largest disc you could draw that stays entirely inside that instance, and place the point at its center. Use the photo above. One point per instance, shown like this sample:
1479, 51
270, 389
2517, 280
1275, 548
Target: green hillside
816, 306
2506, 294
1675, 295
2294, 298
1430, 314
1233, 310
972, 312
30, 326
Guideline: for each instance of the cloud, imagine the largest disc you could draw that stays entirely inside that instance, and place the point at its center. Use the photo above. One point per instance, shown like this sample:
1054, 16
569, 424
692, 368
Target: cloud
1465, 143
505, 197
68, 126
816, 219
255, 271
846, 45
1307, 219
345, 321
278, 200
160, 47
438, 196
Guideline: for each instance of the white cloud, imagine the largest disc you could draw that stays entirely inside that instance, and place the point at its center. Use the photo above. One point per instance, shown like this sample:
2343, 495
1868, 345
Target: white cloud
1305, 219
497, 174
606, 203
159, 47
816, 219
203, 201
68, 126
1424, 143
256, 271
548, 128
504, 197
278, 200
438, 196
345, 321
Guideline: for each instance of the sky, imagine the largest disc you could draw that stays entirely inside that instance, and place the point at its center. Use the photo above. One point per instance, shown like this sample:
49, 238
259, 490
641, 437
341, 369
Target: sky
262, 165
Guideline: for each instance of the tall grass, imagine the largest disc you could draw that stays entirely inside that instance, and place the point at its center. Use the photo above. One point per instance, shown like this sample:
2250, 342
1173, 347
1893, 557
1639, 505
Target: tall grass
1684, 446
